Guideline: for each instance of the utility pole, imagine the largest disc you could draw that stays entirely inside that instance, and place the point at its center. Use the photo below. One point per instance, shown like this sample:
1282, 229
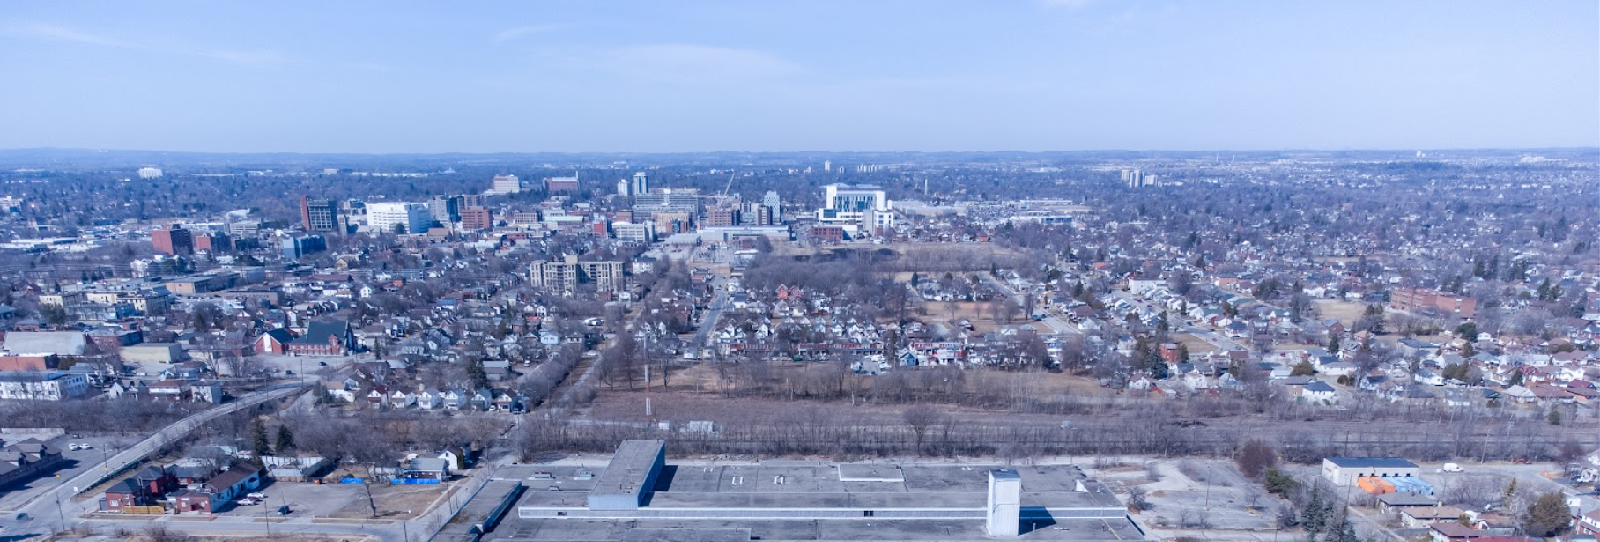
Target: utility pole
59, 513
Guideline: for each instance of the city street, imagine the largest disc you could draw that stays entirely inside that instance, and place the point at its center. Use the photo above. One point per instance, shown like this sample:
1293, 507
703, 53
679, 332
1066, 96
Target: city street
50, 510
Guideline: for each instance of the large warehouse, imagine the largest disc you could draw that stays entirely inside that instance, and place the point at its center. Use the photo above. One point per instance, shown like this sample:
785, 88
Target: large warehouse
639, 493
1343, 471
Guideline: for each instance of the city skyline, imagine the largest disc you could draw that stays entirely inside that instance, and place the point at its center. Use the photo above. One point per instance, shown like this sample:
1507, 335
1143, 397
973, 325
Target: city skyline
883, 76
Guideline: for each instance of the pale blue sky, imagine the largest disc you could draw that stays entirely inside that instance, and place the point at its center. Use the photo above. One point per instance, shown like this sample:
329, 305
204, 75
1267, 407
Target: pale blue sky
806, 75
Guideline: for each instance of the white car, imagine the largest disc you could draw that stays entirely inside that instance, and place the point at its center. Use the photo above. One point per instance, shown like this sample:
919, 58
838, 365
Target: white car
248, 502
257, 495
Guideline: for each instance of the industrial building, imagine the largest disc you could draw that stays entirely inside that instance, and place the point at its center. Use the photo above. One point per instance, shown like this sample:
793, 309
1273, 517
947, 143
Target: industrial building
638, 494
1343, 471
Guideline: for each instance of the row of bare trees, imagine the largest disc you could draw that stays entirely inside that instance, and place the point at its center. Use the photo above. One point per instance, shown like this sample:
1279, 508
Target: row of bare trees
923, 431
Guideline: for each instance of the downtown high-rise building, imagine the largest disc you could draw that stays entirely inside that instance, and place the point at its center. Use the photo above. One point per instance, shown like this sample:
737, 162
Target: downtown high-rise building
319, 215
640, 184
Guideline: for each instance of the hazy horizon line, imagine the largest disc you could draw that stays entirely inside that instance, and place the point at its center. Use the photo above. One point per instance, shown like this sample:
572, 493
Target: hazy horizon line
816, 151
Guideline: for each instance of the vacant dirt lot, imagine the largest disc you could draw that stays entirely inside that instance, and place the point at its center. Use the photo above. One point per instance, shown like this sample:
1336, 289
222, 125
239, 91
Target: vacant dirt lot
1344, 311
1196, 345
1192, 496
393, 501
978, 313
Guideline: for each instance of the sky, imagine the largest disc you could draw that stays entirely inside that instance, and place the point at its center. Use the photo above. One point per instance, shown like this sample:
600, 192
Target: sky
814, 75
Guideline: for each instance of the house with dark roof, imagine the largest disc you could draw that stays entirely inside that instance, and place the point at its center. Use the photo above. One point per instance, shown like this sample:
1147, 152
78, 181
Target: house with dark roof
124, 494
215, 493
26, 459
324, 338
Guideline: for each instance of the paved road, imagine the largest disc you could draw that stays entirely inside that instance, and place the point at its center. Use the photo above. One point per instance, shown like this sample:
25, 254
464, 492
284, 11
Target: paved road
53, 509
708, 324
1054, 322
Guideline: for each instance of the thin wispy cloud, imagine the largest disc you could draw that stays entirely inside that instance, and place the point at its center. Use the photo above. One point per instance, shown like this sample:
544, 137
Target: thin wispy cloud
685, 63
63, 34
52, 32
1068, 4
520, 31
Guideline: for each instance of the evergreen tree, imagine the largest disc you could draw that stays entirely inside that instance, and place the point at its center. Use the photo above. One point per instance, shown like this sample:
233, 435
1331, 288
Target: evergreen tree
1342, 531
258, 439
1314, 513
1547, 516
285, 439
476, 374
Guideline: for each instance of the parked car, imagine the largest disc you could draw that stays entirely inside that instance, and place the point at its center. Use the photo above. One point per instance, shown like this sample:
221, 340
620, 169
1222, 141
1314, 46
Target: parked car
257, 495
248, 502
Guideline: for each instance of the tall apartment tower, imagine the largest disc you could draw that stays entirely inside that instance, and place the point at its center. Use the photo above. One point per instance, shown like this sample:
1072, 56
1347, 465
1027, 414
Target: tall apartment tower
640, 185
773, 203
445, 209
319, 215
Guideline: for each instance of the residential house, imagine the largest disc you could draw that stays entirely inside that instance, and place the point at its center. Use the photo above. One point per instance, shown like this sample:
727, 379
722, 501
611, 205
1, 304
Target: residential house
1420, 517
432, 468
1319, 392
340, 391
481, 399
215, 493
1452, 531
430, 399
454, 399
402, 399
126, 493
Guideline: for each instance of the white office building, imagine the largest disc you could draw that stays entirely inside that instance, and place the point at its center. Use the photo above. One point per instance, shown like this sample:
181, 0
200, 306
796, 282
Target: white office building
506, 184
149, 172
412, 217
855, 208
644, 232
43, 387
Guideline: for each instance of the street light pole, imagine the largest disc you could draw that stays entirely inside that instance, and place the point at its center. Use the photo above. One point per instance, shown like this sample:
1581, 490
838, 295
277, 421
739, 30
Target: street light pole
59, 513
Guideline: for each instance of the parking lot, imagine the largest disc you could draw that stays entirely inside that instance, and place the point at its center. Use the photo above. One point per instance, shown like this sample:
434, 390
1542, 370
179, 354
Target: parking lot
280, 366
14, 496
301, 498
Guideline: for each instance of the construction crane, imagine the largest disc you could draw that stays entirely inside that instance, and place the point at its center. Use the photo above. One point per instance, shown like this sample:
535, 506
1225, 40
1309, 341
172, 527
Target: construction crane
730, 183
